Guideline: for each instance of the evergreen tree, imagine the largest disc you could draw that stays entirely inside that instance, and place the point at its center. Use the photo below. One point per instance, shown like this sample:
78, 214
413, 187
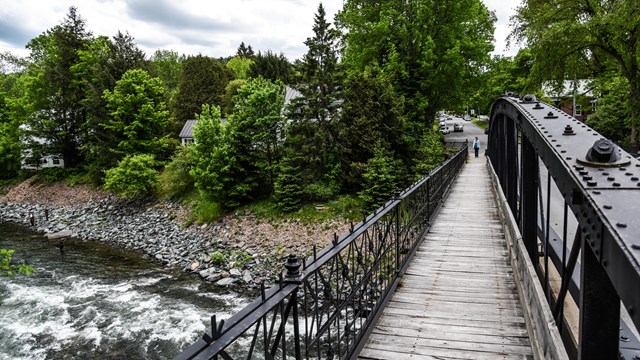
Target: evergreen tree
314, 115
202, 81
272, 67
55, 94
100, 66
371, 113
381, 178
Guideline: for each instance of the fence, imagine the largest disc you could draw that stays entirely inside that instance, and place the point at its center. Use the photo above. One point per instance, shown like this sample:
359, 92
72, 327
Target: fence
325, 305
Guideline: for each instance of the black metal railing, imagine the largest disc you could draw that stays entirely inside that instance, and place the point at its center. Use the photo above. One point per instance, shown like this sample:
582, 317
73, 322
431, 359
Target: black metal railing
323, 308
575, 197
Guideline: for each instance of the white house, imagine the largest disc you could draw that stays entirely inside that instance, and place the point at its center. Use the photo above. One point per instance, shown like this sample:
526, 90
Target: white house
47, 161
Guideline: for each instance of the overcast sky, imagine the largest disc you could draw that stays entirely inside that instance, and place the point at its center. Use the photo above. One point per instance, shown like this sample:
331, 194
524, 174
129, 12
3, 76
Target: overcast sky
209, 27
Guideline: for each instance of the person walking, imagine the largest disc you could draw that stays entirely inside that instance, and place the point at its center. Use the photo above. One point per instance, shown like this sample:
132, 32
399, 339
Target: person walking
476, 146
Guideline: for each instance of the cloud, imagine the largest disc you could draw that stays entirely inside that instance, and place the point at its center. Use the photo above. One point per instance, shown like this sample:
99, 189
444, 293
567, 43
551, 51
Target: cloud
168, 14
13, 33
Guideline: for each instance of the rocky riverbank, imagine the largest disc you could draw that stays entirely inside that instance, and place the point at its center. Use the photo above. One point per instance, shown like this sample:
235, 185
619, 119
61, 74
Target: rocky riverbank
237, 250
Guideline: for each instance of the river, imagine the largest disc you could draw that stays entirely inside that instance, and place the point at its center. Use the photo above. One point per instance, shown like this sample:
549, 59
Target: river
96, 302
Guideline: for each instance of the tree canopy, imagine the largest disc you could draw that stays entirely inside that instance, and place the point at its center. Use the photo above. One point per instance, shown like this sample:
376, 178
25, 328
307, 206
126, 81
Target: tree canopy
570, 38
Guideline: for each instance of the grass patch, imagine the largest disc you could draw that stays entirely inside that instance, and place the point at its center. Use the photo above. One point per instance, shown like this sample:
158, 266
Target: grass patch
480, 123
347, 206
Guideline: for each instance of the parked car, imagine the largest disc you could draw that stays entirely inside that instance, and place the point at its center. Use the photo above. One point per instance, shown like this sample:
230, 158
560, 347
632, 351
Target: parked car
458, 127
443, 128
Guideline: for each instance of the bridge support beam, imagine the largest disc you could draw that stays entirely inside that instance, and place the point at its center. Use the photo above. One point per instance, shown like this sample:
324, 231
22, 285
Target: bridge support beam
599, 310
529, 201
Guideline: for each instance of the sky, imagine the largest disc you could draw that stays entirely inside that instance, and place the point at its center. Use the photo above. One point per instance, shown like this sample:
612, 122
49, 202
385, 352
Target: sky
209, 27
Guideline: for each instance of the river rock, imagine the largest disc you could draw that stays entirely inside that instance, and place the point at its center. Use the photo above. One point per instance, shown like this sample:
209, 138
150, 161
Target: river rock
59, 234
195, 266
235, 272
246, 276
226, 281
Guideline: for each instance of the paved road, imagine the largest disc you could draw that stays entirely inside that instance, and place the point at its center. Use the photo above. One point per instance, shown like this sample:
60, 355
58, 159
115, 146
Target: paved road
469, 132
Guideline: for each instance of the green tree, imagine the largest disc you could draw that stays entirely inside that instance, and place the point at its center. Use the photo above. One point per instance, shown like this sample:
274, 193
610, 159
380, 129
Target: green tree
272, 67
432, 50
203, 81
54, 96
9, 269
430, 153
175, 179
571, 37
245, 51
100, 66
314, 114
134, 176
612, 118
138, 116
380, 178
230, 91
240, 67
167, 66
258, 122
371, 113
208, 152
9, 142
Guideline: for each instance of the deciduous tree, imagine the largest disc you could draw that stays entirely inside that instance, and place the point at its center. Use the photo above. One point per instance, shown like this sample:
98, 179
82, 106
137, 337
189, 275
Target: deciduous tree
430, 49
569, 36
138, 116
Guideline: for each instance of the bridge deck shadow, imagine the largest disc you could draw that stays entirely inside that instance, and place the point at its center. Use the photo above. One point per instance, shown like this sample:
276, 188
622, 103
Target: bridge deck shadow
458, 298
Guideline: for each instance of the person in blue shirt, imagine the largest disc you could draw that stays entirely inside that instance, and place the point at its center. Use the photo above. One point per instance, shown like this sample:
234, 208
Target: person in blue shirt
476, 146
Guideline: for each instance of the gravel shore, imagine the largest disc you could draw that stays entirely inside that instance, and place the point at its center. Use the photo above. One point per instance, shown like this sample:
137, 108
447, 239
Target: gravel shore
237, 250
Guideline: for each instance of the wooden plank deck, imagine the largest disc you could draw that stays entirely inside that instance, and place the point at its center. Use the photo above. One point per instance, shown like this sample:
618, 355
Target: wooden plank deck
458, 298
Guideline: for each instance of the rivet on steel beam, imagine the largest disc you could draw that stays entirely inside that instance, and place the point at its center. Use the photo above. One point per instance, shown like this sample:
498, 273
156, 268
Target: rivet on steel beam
616, 184
621, 225
635, 246
592, 183
605, 173
596, 192
624, 338
586, 178
583, 172
568, 130
608, 207
538, 106
634, 179
569, 158
604, 262
563, 151
611, 178
550, 115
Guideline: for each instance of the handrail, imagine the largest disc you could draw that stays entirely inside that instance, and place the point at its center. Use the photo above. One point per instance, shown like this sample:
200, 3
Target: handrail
600, 191
325, 306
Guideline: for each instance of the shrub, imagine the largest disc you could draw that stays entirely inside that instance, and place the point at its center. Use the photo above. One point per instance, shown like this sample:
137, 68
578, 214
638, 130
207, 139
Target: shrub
380, 178
134, 176
175, 179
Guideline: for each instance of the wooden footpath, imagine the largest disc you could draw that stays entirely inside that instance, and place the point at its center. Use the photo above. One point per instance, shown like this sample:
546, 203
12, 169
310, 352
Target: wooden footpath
458, 298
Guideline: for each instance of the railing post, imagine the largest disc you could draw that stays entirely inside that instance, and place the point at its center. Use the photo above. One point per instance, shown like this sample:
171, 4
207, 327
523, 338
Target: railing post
599, 310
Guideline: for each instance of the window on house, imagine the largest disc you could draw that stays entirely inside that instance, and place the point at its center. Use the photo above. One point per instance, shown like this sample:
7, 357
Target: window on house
578, 109
56, 161
44, 161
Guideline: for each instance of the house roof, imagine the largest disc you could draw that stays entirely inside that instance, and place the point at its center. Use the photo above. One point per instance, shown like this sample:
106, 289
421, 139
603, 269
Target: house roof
187, 129
582, 88
290, 94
